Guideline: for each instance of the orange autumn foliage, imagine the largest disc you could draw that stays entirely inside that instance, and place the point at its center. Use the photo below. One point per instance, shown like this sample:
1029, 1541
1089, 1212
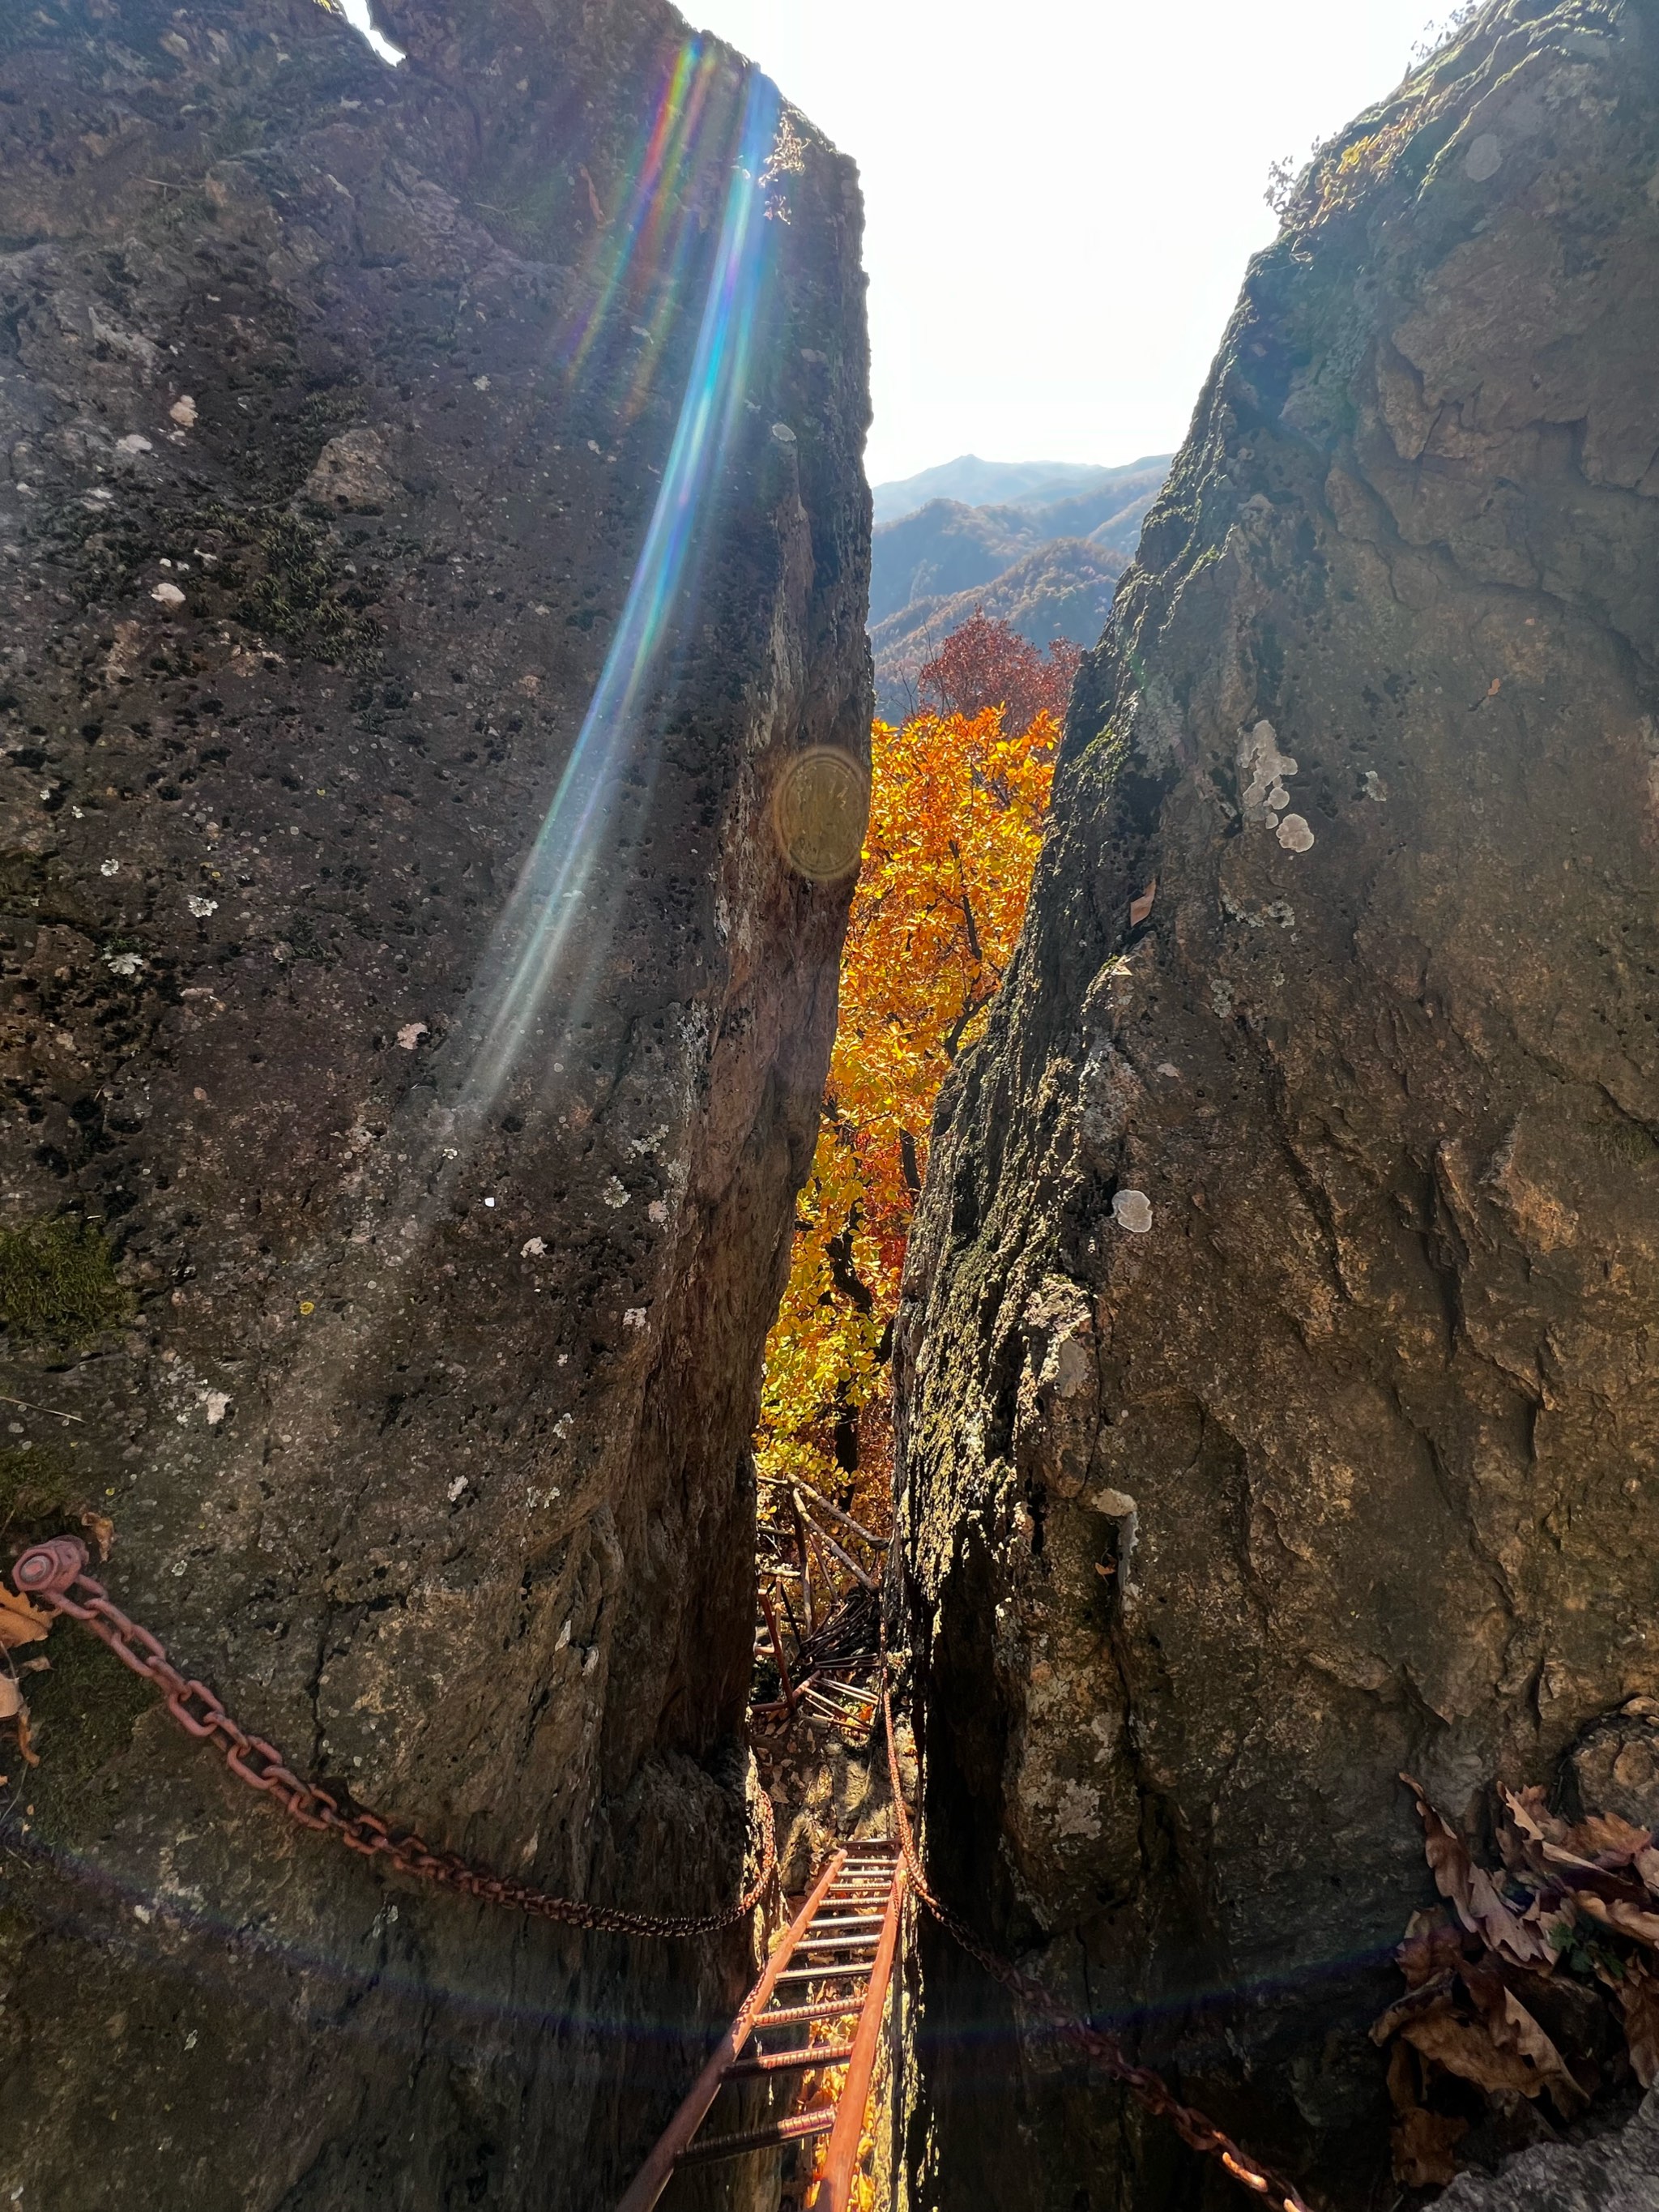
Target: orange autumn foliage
957, 799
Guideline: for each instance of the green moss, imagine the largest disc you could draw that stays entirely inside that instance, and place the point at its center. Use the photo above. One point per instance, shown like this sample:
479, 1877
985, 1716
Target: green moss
35, 1486
58, 1284
296, 597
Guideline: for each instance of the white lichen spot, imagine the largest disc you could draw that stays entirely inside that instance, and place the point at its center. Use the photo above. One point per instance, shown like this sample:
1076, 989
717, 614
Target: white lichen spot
167, 595
456, 1488
1262, 769
614, 1193
533, 1247
109, 867
1484, 159
1133, 1210
481, 383
200, 907
126, 964
1078, 1811
634, 1317
216, 1405
1373, 786
1294, 834
411, 1034
1168, 1067
134, 443
562, 1426
656, 1211
783, 433
183, 411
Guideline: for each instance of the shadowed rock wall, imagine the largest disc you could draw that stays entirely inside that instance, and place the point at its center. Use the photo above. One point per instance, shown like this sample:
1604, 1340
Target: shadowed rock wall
1278, 1353
397, 1256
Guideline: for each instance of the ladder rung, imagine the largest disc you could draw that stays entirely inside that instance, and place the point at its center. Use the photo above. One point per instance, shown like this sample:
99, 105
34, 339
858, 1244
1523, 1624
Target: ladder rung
789, 2062
804, 2124
825, 1974
797, 2016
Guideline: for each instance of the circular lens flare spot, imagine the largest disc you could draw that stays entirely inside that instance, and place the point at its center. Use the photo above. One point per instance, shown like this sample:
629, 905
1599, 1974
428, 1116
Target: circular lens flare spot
820, 810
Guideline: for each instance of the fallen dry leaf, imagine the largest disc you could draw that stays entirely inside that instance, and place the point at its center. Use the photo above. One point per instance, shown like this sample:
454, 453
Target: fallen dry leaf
1638, 2001
102, 1529
1604, 1836
12, 1708
1422, 2145
1422, 2140
1428, 1996
20, 1621
1624, 1919
1647, 1865
1513, 2028
1464, 2048
1470, 1893
1530, 1810
1432, 1945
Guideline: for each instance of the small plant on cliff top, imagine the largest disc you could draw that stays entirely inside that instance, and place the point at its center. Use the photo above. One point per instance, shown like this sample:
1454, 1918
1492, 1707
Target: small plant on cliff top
957, 799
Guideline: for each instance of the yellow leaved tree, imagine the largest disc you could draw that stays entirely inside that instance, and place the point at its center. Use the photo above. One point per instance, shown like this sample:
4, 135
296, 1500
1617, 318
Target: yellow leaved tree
957, 804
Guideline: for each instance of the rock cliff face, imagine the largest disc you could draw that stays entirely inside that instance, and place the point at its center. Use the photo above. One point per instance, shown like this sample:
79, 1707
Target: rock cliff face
1279, 1351
434, 533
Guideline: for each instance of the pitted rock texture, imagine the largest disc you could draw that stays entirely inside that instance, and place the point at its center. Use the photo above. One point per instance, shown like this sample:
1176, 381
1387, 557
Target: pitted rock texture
413, 1368
1278, 1351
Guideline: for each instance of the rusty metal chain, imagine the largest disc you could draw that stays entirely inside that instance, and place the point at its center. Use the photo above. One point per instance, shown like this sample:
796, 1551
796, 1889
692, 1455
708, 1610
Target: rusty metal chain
1149, 2089
48, 1573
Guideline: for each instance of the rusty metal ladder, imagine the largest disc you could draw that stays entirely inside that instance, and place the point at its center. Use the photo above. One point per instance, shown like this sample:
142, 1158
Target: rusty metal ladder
835, 1964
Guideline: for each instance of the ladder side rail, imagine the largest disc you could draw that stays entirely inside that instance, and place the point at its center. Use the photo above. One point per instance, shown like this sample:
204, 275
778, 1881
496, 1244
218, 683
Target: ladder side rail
654, 2176
835, 2185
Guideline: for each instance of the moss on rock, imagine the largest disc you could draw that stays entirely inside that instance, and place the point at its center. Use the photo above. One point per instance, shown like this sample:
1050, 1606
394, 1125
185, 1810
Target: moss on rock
58, 1282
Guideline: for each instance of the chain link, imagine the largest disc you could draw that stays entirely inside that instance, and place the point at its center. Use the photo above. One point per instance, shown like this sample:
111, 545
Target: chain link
1149, 2089
49, 1573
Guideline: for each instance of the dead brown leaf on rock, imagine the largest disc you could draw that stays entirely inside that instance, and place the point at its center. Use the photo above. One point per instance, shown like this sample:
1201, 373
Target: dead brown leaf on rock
1623, 1917
1514, 2030
1605, 1837
1432, 1945
20, 1621
12, 1708
1423, 2155
1638, 2001
1471, 1892
102, 1529
1464, 2048
1422, 2140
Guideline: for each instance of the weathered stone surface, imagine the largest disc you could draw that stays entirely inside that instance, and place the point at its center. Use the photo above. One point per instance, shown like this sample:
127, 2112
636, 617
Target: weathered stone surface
1618, 2172
1278, 1353
398, 1257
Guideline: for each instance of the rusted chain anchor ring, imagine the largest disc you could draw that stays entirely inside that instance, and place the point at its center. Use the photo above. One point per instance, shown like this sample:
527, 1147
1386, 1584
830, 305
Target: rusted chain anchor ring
1149, 2089
55, 1574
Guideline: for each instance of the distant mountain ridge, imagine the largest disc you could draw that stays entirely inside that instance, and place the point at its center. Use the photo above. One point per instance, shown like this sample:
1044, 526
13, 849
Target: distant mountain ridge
975, 483
947, 546
1044, 556
1062, 588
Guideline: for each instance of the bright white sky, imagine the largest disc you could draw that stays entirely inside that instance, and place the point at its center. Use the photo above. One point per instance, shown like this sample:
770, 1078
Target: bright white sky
1062, 195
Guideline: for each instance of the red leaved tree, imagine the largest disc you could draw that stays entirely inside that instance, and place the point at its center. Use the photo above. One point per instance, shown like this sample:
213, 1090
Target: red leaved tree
987, 663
